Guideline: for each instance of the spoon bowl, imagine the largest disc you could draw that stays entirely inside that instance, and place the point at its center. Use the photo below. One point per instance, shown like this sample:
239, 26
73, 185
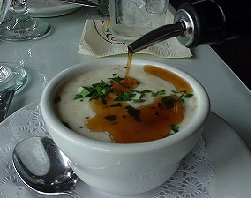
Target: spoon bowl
43, 167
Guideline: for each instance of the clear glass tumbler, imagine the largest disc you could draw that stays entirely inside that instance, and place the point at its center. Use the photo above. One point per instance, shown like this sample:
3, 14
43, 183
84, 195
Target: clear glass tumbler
131, 19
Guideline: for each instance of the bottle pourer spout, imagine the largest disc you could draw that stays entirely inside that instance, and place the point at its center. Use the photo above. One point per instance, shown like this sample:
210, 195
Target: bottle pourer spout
157, 35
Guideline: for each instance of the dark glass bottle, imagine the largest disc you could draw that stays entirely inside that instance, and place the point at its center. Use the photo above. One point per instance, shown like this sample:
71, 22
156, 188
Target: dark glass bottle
202, 22
213, 21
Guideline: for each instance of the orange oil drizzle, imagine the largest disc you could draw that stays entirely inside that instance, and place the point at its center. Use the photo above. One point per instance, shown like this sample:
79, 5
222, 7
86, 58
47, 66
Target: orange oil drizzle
179, 83
154, 121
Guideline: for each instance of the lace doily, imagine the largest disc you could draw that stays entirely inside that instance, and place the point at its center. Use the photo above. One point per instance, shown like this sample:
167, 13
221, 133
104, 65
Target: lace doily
190, 180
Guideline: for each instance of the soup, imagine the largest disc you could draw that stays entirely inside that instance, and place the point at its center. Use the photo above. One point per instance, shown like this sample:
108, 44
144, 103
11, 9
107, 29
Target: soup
103, 104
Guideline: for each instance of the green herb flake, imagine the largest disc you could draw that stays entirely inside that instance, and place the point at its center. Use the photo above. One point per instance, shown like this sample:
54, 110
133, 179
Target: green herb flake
182, 94
115, 78
135, 113
77, 96
175, 92
142, 93
188, 95
125, 96
111, 118
104, 101
84, 92
66, 125
139, 100
95, 91
175, 128
168, 101
116, 105
159, 93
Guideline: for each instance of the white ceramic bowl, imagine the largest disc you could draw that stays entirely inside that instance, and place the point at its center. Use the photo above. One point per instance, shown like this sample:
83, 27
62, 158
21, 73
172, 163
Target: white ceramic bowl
123, 169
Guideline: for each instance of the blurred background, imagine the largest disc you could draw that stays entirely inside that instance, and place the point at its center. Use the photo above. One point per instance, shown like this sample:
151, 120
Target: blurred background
237, 54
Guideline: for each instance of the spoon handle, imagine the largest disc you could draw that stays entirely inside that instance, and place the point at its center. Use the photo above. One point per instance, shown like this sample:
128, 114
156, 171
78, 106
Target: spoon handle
76, 194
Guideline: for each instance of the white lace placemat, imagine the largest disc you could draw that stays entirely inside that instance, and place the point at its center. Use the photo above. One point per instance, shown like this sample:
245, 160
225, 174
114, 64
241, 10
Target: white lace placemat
190, 180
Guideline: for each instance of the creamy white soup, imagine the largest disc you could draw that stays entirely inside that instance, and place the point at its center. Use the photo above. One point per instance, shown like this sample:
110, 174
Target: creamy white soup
103, 105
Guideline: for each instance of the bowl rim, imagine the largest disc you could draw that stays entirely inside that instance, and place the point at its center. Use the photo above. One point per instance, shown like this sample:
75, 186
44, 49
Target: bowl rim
55, 124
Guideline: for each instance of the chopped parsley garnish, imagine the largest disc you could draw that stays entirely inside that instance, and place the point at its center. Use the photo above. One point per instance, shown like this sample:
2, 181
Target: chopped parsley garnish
139, 100
182, 94
125, 96
159, 93
97, 90
115, 78
83, 93
102, 89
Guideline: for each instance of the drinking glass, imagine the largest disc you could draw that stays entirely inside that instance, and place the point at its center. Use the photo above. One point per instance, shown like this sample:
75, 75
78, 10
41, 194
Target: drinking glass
4, 6
12, 77
22, 26
131, 19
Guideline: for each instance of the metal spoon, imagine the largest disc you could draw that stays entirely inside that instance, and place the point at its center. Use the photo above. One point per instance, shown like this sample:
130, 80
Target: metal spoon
44, 168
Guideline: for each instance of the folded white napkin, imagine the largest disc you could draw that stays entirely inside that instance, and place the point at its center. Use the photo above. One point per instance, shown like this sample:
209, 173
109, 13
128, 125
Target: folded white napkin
97, 40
